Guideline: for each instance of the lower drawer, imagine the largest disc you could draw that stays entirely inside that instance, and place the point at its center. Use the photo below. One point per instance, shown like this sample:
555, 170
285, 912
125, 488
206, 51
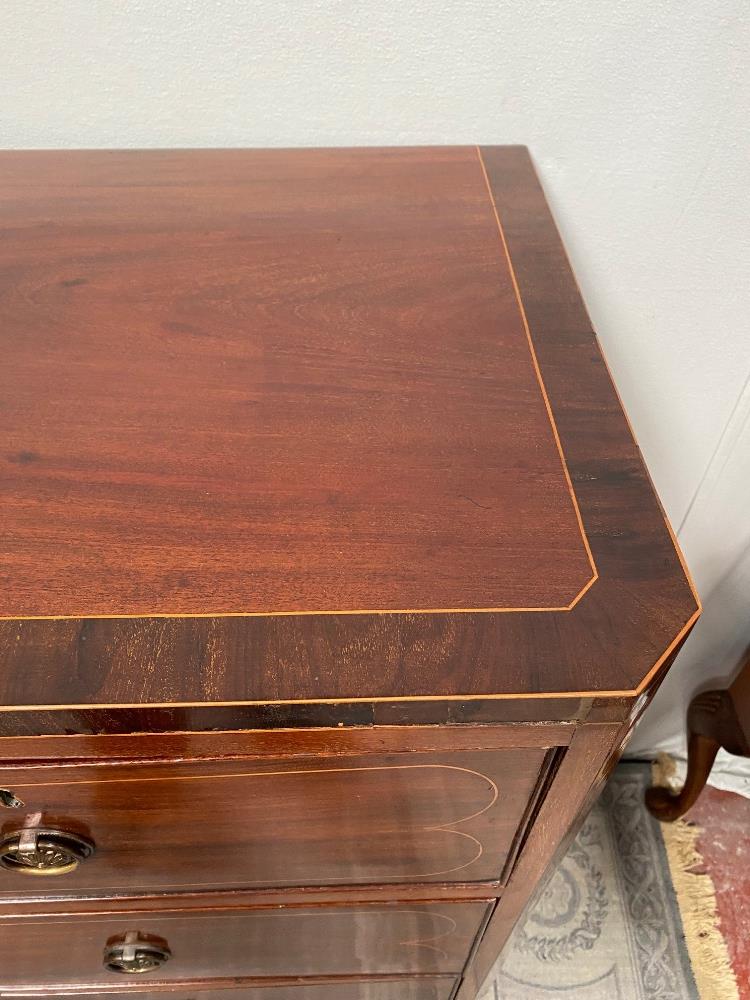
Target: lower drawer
242, 945
428, 988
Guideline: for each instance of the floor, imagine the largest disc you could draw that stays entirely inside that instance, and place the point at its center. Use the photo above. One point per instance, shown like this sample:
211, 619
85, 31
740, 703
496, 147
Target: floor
724, 845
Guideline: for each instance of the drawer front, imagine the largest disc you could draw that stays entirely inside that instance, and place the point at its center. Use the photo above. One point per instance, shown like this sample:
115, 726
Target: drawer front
238, 945
410, 817
413, 988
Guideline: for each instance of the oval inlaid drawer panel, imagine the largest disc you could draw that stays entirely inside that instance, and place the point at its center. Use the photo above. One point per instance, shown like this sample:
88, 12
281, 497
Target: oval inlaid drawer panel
390, 818
240, 946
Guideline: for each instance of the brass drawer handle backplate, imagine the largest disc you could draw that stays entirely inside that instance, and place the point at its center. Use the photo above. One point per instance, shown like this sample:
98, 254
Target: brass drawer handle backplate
134, 954
41, 851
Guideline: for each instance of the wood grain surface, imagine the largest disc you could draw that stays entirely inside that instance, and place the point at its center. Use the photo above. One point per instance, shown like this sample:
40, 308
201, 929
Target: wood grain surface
343, 988
186, 826
256, 382
246, 381
280, 743
280, 942
28, 722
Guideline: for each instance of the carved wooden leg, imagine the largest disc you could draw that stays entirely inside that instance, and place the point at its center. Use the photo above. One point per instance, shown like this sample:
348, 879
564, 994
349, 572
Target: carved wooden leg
710, 717
668, 806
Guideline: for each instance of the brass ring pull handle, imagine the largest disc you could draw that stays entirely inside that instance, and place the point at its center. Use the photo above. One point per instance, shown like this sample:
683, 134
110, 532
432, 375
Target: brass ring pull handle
135, 954
39, 851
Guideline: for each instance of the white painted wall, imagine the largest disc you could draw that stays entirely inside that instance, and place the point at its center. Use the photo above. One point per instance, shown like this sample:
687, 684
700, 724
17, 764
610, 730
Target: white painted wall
637, 112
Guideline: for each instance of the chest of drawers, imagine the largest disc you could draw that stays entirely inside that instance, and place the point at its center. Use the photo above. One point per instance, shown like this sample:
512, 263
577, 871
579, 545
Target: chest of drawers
332, 578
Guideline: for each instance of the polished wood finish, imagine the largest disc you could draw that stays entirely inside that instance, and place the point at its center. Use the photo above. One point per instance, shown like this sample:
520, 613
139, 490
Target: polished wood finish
287, 743
248, 944
319, 988
208, 718
286, 337
331, 577
372, 819
312, 280
715, 719
52, 904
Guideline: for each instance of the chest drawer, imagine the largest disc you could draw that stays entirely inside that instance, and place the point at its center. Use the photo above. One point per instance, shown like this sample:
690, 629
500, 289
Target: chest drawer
411, 988
410, 817
205, 947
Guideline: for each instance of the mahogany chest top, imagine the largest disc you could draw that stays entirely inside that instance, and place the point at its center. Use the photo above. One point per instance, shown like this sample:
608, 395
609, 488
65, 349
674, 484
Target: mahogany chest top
327, 429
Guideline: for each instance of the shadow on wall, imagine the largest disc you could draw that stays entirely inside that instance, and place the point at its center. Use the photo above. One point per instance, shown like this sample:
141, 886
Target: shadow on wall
716, 538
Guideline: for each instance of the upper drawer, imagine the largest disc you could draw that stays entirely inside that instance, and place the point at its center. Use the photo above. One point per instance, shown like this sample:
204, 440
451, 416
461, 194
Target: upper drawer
412, 817
236, 946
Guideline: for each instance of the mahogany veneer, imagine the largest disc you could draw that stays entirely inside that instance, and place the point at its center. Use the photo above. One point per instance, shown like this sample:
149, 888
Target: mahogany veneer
249, 944
331, 577
345, 988
371, 819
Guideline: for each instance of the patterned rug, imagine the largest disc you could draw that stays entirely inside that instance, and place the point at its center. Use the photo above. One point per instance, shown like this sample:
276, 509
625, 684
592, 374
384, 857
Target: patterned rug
608, 924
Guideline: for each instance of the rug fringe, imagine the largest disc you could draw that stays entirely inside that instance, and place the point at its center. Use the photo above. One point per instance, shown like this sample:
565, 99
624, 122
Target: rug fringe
696, 899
